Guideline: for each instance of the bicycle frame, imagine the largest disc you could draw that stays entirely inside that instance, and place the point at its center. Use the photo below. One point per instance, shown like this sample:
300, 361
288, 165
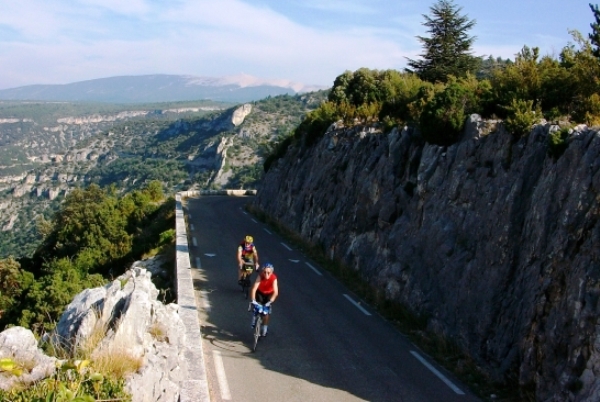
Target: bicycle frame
246, 274
259, 321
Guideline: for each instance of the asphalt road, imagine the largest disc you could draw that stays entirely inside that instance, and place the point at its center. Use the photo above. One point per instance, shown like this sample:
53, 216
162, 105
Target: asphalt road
323, 344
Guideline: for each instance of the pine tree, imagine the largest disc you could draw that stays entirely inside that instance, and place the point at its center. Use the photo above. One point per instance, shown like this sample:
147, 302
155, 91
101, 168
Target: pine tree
595, 35
447, 49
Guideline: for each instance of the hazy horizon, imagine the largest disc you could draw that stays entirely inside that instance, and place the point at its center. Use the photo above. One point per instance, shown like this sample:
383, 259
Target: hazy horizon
309, 42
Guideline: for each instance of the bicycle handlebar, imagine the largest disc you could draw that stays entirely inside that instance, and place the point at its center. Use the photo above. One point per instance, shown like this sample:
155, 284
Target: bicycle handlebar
259, 308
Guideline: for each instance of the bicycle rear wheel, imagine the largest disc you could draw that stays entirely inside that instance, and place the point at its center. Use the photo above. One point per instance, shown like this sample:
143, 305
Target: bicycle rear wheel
257, 331
246, 286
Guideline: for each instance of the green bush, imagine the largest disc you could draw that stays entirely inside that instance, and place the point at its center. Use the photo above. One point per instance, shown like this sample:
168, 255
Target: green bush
443, 118
521, 117
315, 123
557, 142
588, 110
277, 152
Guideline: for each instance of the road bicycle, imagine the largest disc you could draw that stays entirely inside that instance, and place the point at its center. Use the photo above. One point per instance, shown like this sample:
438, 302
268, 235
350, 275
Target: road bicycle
260, 311
245, 282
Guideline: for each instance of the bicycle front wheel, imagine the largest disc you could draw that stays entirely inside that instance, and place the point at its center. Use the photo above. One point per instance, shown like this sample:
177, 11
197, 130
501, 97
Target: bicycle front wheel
257, 331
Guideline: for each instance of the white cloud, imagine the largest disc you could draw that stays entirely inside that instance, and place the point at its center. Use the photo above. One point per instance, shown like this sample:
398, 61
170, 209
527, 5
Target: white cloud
70, 40
128, 7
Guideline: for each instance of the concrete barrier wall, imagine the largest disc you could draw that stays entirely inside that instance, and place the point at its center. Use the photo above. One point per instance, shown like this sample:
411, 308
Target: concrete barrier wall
194, 388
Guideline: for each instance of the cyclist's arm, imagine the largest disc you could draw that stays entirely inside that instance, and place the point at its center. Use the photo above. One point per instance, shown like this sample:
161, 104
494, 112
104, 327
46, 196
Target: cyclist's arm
256, 257
275, 291
254, 288
239, 257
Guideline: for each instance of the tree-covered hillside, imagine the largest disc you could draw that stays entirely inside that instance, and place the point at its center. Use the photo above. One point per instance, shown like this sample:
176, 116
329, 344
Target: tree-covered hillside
183, 145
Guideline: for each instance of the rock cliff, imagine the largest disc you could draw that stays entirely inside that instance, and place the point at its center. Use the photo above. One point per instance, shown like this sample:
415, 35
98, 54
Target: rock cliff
133, 322
491, 239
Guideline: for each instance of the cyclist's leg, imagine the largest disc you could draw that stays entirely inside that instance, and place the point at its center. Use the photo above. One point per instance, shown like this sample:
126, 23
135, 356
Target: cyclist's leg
263, 299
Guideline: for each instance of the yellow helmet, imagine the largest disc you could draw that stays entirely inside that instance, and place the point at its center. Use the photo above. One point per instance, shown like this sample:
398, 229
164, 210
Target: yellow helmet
249, 239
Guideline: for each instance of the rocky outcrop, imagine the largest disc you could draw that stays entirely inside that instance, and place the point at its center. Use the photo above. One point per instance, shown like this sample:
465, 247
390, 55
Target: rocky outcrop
96, 118
133, 322
492, 240
19, 345
240, 114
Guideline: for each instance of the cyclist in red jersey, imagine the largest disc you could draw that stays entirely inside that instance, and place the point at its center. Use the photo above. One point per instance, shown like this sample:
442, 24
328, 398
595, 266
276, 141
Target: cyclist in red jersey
264, 291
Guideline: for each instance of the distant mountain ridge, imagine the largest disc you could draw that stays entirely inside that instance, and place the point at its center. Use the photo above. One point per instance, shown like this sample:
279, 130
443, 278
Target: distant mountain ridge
159, 88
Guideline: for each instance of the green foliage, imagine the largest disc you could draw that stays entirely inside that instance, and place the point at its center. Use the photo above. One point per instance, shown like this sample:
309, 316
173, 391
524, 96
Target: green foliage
138, 169
372, 95
587, 110
278, 151
316, 123
47, 298
246, 176
448, 46
518, 81
521, 117
12, 282
557, 142
93, 237
167, 237
72, 382
443, 117
89, 219
398, 92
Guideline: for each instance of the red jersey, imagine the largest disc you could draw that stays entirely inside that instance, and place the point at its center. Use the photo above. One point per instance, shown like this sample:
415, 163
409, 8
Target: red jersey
265, 286
247, 249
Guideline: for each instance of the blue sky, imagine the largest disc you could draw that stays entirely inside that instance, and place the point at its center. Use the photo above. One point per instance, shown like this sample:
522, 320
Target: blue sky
306, 41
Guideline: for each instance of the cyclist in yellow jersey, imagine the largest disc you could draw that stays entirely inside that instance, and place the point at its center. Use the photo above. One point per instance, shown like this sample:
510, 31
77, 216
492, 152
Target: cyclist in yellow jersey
246, 252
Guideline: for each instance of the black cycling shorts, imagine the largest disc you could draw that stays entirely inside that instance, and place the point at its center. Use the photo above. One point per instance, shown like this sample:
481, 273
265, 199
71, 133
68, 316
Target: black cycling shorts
263, 298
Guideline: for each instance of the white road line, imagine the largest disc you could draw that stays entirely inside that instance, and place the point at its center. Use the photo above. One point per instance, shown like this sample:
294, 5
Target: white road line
437, 373
194, 242
221, 378
286, 246
267, 230
244, 212
314, 269
294, 261
358, 306
189, 216
254, 220
198, 263
191, 226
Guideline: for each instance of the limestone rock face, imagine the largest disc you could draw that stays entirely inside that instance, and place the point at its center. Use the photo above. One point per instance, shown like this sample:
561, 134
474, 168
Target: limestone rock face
240, 114
136, 324
493, 240
19, 344
132, 321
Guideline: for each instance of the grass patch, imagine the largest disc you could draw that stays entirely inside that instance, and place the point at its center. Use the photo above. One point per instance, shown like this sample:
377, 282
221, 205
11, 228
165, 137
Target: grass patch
445, 351
158, 332
117, 363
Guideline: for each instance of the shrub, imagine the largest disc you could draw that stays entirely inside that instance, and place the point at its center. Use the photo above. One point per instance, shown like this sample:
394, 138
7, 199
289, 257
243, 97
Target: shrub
557, 142
315, 123
73, 381
521, 117
277, 152
588, 110
443, 118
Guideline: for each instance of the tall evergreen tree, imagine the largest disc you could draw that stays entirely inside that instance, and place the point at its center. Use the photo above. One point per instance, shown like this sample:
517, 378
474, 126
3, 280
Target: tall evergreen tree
447, 49
595, 35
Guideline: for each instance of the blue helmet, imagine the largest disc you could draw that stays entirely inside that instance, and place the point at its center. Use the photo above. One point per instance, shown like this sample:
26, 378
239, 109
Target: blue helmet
269, 265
